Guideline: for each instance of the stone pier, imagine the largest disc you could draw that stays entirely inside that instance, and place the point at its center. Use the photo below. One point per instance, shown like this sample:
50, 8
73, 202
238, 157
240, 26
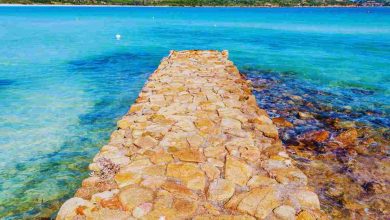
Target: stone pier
194, 145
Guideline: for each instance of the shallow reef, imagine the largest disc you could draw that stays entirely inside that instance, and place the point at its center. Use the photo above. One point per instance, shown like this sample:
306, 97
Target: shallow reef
344, 150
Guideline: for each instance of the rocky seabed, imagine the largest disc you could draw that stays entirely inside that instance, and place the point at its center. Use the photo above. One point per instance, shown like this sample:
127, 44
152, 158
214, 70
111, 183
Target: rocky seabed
194, 145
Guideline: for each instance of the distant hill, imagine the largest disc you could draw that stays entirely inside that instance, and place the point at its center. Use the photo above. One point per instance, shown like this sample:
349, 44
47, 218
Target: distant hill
192, 2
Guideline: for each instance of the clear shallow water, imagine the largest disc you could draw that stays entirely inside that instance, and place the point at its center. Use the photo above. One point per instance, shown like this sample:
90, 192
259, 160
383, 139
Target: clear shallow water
65, 79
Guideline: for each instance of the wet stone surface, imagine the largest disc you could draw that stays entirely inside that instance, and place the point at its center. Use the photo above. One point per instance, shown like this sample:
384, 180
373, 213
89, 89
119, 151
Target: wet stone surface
343, 151
195, 145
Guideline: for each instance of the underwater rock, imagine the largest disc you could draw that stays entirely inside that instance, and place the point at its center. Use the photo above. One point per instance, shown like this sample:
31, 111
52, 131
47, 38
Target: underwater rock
349, 171
305, 115
315, 136
282, 122
347, 137
344, 124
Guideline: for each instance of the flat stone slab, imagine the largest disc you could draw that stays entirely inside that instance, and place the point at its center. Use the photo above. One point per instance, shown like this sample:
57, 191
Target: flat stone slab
194, 145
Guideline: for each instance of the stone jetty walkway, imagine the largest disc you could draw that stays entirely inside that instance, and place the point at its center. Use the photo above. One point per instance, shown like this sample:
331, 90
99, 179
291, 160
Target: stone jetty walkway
194, 145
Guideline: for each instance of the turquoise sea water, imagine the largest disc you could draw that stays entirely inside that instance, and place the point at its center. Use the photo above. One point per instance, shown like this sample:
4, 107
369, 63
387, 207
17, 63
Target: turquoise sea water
65, 79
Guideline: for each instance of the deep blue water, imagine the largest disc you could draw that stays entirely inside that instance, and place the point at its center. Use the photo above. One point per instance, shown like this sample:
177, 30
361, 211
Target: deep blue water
65, 79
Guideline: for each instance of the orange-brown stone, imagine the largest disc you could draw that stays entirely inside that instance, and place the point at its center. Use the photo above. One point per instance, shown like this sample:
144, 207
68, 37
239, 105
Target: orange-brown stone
195, 145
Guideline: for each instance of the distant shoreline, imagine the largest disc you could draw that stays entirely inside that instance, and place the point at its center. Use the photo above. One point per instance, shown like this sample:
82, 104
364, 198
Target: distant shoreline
186, 6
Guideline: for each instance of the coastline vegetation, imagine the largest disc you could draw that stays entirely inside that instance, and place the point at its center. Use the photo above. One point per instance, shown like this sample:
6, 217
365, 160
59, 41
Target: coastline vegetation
240, 3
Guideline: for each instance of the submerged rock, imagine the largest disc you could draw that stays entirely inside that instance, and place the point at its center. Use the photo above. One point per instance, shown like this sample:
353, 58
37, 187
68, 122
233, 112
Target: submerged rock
281, 122
305, 115
315, 136
346, 168
347, 137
